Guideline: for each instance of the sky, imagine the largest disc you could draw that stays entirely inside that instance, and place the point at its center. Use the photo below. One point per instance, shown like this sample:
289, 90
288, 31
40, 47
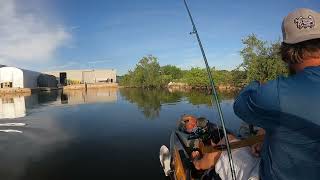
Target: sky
46, 35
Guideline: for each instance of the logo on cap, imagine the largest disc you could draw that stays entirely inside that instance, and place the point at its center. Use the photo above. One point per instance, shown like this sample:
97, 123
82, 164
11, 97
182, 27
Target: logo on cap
304, 22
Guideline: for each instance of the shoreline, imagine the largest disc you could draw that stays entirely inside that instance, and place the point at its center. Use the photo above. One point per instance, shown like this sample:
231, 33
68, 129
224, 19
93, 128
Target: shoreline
5, 92
170, 87
185, 87
91, 86
15, 91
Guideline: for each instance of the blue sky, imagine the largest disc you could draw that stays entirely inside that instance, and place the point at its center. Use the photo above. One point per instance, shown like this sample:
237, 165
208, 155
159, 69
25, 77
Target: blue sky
75, 34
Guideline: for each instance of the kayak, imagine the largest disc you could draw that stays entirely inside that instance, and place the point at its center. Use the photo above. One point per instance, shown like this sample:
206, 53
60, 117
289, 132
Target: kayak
191, 134
176, 162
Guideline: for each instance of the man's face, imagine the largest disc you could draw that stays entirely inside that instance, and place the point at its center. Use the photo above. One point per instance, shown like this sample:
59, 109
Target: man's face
190, 123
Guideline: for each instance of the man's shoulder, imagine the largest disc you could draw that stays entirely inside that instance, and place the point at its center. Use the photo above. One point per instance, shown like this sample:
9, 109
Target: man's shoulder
262, 95
268, 87
307, 78
257, 100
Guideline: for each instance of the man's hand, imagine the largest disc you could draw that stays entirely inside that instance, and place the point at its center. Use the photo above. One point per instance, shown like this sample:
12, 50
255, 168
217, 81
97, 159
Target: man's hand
195, 155
256, 149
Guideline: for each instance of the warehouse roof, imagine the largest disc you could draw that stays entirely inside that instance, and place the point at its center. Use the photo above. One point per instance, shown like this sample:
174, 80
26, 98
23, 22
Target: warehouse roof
85, 70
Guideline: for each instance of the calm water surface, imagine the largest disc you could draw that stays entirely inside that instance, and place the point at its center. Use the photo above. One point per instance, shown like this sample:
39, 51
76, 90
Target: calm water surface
98, 134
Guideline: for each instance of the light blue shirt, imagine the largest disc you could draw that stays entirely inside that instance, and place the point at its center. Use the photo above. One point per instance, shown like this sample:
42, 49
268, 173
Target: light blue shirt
288, 108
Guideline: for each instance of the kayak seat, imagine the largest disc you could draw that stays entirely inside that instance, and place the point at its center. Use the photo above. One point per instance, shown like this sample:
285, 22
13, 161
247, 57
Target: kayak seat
189, 143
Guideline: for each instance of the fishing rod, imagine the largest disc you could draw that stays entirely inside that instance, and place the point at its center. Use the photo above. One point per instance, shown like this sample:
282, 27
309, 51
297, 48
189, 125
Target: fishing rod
214, 96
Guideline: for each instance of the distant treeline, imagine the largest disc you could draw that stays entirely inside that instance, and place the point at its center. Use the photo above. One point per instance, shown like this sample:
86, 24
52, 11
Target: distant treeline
261, 61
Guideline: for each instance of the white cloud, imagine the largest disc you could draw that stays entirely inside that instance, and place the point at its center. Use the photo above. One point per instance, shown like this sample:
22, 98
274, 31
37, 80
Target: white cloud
27, 37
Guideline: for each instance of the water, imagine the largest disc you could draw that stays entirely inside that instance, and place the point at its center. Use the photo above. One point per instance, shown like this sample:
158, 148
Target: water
98, 134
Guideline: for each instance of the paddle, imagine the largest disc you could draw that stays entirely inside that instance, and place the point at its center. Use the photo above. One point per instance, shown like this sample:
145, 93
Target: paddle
233, 145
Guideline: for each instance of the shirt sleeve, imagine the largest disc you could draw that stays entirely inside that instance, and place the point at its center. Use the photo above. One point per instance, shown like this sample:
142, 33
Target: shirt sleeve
258, 104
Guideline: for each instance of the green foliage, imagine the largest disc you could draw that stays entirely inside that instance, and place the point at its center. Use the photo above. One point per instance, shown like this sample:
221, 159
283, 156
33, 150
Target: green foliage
238, 78
149, 74
165, 79
148, 70
261, 60
146, 74
72, 82
222, 77
173, 71
196, 77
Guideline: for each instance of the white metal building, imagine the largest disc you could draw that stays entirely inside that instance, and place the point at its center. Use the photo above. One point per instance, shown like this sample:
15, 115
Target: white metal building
12, 77
85, 76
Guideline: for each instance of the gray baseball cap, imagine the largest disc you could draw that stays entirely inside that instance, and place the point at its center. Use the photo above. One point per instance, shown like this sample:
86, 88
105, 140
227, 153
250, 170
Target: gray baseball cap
301, 25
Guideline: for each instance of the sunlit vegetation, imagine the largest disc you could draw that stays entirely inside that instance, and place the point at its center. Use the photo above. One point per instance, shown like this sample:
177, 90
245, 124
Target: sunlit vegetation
261, 62
71, 82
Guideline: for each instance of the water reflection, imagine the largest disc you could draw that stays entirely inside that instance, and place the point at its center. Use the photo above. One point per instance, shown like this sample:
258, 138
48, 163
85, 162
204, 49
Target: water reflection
73, 97
150, 101
12, 107
65, 138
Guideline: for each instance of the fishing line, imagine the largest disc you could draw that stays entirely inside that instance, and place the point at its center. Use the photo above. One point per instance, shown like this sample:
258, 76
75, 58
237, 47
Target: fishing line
214, 96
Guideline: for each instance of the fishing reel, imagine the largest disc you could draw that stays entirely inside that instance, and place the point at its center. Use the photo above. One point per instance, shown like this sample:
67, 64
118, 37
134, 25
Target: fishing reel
201, 134
202, 131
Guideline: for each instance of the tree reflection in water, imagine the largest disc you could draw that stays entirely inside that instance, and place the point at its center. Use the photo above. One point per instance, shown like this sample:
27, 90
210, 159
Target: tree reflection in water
150, 101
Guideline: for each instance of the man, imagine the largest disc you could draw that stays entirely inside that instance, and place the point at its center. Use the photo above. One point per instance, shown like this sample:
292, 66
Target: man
245, 164
288, 108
